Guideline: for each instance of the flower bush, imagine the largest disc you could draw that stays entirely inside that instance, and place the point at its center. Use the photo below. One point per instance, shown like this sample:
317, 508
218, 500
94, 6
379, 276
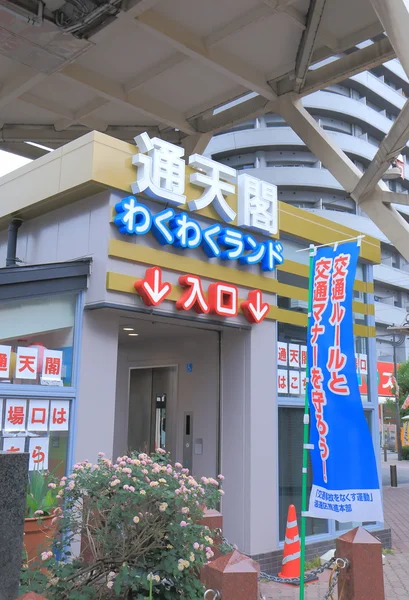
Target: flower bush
139, 521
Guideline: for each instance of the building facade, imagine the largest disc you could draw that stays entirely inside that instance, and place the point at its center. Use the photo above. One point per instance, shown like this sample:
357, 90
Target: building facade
107, 349
357, 113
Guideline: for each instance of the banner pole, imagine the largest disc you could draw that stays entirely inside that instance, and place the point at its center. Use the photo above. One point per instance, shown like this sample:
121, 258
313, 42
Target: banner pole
312, 250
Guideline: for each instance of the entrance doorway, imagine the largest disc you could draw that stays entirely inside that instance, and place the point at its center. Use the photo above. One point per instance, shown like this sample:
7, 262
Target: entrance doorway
152, 400
168, 391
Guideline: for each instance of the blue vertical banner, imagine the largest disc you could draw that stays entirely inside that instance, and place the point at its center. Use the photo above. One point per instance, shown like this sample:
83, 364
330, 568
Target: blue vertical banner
345, 477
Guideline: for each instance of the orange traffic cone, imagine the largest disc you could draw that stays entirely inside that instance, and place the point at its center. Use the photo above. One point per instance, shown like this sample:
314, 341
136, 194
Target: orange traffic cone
292, 548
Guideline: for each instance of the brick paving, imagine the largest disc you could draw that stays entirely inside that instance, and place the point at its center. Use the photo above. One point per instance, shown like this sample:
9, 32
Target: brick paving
313, 591
396, 571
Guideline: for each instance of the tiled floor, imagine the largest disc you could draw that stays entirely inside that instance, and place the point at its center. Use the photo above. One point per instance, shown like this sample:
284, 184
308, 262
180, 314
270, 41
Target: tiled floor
396, 571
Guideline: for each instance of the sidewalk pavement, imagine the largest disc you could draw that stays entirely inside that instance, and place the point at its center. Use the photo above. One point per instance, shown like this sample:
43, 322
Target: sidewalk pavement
396, 572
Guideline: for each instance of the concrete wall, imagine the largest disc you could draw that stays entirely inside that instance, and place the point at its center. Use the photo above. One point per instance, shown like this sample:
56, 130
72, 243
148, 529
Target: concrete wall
95, 411
235, 438
75, 231
249, 438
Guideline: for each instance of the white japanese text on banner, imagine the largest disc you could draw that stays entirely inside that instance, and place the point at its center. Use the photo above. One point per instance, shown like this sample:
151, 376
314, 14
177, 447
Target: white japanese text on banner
345, 477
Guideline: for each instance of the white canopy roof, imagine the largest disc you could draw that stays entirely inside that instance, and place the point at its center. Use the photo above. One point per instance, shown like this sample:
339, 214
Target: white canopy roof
164, 65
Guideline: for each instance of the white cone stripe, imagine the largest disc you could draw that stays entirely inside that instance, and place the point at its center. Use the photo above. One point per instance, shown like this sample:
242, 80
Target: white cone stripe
290, 557
291, 524
296, 538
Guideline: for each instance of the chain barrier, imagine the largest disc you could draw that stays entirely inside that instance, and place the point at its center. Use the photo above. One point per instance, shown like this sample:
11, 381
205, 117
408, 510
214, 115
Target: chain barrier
339, 564
335, 564
310, 576
208, 595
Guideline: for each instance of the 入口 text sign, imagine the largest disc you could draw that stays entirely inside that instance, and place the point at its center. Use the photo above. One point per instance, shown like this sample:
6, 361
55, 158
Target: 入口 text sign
222, 298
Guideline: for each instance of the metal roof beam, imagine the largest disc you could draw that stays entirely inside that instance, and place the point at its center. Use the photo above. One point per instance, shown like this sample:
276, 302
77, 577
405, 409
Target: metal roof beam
389, 198
390, 147
318, 141
385, 216
346, 66
69, 117
316, 79
22, 80
233, 116
83, 117
48, 136
22, 149
136, 7
136, 100
195, 144
307, 44
394, 16
193, 46
389, 221
252, 16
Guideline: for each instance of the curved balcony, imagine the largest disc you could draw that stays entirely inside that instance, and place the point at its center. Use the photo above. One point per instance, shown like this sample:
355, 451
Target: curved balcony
391, 276
396, 68
387, 314
339, 107
297, 177
284, 138
385, 92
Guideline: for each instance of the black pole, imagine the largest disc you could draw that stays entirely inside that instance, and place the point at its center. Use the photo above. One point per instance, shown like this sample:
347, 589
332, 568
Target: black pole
13, 228
394, 476
395, 369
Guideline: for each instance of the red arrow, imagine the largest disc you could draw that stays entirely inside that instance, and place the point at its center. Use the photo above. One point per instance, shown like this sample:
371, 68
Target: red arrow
151, 289
255, 310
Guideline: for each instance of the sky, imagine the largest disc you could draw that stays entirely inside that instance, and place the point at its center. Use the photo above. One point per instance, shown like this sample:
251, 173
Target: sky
9, 162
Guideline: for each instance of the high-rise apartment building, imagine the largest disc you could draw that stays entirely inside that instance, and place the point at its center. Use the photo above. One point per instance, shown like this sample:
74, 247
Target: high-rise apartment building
357, 113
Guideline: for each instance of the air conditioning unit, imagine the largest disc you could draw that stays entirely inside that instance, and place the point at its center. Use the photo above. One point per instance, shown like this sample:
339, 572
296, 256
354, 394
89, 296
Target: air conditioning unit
298, 304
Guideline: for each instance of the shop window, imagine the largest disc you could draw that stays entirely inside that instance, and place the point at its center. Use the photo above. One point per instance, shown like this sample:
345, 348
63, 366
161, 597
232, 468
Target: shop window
38, 426
291, 362
362, 367
397, 299
36, 345
283, 303
359, 272
395, 260
290, 441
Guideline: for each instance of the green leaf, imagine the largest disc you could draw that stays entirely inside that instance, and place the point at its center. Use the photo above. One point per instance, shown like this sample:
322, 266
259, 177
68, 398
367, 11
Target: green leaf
31, 503
39, 495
